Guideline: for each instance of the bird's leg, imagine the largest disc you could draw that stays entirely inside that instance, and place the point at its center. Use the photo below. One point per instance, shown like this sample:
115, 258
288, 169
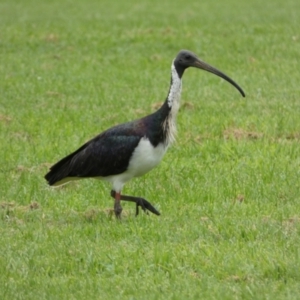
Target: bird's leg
143, 203
117, 205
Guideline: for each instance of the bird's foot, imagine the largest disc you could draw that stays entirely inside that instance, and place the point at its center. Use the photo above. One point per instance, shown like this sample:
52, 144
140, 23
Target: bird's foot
118, 211
146, 206
143, 203
117, 206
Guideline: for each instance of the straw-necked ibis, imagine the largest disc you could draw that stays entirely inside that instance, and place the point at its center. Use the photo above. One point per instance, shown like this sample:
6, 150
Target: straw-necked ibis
131, 149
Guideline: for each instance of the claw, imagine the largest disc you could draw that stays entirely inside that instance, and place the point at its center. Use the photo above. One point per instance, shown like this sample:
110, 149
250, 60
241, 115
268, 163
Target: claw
145, 205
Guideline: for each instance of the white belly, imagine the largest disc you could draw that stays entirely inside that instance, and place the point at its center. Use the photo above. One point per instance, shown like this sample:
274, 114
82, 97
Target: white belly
144, 158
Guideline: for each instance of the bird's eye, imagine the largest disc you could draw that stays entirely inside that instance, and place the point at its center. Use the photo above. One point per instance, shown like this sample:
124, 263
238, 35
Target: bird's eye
187, 57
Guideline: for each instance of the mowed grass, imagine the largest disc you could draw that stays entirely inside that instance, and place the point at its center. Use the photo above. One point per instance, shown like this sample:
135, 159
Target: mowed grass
228, 190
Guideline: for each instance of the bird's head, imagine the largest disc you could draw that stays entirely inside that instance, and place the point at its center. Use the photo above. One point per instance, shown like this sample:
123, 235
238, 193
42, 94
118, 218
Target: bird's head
186, 59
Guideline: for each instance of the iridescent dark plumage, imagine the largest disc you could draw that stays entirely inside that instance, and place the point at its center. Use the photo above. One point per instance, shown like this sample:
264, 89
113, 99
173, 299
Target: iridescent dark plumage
131, 149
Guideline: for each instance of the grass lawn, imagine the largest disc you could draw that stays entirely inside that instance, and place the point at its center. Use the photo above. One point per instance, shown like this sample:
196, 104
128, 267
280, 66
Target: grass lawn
228, 189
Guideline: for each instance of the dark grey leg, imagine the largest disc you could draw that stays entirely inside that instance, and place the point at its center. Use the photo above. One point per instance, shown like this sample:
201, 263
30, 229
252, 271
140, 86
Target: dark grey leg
143, 203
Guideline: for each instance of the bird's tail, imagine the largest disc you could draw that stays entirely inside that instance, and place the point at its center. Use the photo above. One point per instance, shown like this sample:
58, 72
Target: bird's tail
58, 172
61, 172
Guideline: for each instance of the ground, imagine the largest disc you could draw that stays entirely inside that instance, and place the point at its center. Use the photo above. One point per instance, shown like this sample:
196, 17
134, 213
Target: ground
227, 190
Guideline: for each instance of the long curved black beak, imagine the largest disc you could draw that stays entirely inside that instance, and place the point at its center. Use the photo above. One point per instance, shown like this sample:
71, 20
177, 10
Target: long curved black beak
204, 66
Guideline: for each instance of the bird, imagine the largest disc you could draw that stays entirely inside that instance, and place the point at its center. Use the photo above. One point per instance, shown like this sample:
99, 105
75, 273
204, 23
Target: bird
132, 149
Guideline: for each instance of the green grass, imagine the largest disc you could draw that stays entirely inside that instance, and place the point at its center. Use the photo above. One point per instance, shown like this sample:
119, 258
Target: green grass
228, 190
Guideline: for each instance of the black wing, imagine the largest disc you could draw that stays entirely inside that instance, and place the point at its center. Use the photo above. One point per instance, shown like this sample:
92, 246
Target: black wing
107, 154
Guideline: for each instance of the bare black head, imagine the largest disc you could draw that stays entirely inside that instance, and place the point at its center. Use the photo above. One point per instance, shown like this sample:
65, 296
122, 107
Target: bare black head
186, 59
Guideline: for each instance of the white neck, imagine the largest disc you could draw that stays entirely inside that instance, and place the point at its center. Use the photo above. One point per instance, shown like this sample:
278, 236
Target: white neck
173, 101
175, 90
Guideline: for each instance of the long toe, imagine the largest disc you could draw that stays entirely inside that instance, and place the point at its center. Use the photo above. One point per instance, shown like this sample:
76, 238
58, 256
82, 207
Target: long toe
145, 205
118, 211
140, 203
